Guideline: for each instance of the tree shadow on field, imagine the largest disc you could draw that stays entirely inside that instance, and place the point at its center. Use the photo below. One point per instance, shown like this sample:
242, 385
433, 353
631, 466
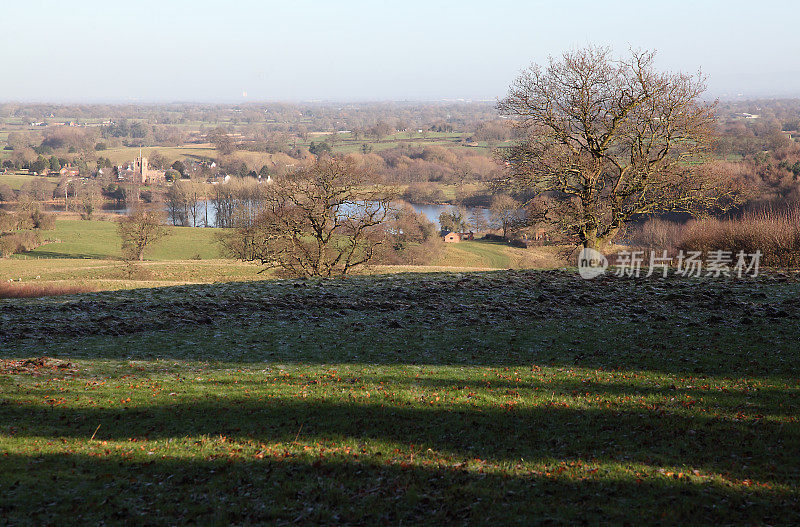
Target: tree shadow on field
71, 256
76, 489
755, 449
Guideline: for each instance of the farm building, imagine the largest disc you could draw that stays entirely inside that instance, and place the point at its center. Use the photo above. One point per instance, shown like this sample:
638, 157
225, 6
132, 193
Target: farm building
455, 237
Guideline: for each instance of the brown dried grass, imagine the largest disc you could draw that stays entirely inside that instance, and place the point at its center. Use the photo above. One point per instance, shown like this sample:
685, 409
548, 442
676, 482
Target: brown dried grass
33, 290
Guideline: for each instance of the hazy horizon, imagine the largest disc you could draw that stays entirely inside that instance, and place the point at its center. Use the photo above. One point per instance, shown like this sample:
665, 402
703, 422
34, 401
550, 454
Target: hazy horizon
355, 51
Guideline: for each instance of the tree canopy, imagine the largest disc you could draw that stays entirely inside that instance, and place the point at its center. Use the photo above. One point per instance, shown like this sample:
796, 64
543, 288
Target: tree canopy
323, 221
603, 140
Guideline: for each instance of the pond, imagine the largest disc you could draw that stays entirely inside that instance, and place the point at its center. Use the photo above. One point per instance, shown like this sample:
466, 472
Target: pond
431, 211
112, 208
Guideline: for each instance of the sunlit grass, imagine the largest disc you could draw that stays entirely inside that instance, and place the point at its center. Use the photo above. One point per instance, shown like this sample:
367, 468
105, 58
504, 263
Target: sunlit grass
491, 398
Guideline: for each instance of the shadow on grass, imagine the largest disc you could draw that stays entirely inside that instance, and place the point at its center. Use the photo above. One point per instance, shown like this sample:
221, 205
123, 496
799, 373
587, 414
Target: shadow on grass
76, 489
72, 256
738, 448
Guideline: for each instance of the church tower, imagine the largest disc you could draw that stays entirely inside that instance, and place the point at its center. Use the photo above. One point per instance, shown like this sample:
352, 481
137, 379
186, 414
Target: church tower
140, 167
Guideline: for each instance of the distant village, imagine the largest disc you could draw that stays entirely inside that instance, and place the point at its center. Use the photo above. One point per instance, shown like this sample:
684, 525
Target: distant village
138, 171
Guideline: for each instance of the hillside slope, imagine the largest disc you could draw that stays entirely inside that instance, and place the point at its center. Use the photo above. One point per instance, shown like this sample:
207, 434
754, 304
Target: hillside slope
505, 397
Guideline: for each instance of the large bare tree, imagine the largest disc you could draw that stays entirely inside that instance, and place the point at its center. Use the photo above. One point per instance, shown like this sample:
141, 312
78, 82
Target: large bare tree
138, 230
323, 221
604, 140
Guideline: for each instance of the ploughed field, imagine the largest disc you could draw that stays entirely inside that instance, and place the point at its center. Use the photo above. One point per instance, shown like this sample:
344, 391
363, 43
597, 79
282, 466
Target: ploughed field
490, 398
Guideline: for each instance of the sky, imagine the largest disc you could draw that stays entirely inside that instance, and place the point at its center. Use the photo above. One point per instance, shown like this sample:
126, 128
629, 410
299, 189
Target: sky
352, 50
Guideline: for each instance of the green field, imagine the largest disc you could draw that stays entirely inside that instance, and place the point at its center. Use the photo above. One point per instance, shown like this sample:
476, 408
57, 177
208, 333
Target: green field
15, 181
493, 398
89, 253
345, 143
477, 254
173, 153
99, 240
115, 274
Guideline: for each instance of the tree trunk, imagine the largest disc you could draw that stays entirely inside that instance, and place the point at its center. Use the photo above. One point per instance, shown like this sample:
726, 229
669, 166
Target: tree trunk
593, 240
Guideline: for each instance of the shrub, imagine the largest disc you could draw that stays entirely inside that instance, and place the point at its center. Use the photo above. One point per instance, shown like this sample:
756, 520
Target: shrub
8, 222
424, 193
42, 220
131, 270
658, 234
774, 232
7, 193
18, 242
8, 246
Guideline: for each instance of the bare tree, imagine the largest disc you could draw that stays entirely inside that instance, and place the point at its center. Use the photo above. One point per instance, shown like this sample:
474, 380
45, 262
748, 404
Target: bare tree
198, 194
606, 140
238, 202
506, 213
186, 202
222, 141
323, 221
89, 198
138, 230
178, 204
477, 220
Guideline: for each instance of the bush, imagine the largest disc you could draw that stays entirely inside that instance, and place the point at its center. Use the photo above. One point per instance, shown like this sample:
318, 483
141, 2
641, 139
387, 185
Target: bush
658, 234
410, 253
8, 222
19, 242
774, 232
489, 237
8, 246
424, 193
7, 193
42, 220
32, 219
131, 270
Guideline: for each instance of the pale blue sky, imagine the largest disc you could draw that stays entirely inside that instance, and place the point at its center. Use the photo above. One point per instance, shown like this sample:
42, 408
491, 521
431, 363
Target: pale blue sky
212, 50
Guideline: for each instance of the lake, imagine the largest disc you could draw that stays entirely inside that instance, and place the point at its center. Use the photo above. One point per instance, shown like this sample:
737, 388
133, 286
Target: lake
430, 211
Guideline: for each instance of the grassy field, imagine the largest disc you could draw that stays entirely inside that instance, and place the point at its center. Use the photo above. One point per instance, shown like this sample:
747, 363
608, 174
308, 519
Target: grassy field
15, 181
345, 143
173, 153
88, 252
494, 255
477, 254
108, 275
99, 240
491, 398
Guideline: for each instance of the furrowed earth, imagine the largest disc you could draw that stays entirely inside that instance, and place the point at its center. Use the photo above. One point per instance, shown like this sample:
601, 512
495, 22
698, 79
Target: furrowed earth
512, 397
